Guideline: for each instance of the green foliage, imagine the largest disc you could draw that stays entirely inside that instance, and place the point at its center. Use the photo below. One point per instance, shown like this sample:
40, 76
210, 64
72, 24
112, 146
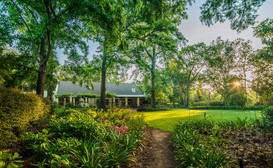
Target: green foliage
194, 149
17, 112
13, 70
157, 37
85, 138
205, 143
220, 106
144, 108
263, 82
108, 94
265, 31
9, 160
88, 95
240, 13
63, 95
88, 154
37, 31
75, 124
237, 99
267, 118
217, 107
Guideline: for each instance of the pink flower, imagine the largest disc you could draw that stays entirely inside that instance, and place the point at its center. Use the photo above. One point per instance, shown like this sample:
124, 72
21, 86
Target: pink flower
121, 129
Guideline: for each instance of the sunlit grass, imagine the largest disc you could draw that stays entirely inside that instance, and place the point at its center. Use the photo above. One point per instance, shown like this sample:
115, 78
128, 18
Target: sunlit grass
165, 120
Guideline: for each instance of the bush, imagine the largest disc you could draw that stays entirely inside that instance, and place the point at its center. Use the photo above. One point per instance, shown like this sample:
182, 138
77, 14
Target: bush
192, 150
9, 160
237, 99
216, 107
75, 124
86, 138
267, 117
200, 103
148, 109
255, 107
17, 111
216, 103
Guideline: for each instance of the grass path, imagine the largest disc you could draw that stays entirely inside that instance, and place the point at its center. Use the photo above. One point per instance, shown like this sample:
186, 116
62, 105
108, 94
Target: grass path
165, 120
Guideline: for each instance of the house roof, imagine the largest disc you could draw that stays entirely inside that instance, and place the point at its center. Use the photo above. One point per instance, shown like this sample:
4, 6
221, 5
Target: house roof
120, 90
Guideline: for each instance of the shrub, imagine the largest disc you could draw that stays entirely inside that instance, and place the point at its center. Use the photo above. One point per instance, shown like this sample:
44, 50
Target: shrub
10, 160
75, 124
17, 111
237, 99
255, 107
196, 144
217, 107
148, 109
86, 138
216, 103
267, 117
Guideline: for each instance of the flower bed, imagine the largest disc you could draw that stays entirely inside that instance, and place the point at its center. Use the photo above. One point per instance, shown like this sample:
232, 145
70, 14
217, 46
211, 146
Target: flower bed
83, 138
223, 144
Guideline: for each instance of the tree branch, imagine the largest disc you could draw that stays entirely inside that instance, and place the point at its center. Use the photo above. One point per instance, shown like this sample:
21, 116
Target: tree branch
18, 9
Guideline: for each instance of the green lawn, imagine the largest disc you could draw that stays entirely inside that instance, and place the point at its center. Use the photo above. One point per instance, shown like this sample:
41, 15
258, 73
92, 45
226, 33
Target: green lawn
165, 120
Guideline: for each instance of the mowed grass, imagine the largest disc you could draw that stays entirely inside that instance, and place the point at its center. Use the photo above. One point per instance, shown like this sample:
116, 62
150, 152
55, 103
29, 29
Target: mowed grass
165, 120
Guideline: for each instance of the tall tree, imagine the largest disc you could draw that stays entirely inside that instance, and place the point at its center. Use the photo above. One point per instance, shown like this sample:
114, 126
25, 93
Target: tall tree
262, 83
220, 73
244, 56
155, 35
112, 64
189, 63
112, 42
43, 26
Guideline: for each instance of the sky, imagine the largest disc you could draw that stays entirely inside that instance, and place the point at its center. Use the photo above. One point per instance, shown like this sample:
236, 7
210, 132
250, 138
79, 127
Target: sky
195, 32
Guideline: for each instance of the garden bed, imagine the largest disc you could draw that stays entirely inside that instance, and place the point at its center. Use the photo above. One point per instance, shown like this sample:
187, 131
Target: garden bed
216, 144
77, 137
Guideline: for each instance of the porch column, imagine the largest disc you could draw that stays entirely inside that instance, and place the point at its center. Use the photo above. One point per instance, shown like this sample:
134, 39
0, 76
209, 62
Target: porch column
70, 99
126, 101
74, 101
110, 102
85, 101
137, 101
114, 102
119, 102
64, 101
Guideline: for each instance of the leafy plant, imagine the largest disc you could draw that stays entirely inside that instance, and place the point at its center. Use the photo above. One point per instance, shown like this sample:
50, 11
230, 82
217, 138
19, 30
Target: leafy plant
17, 112
196, 144
267, 118
8, 160
86, 138
87, 154
76, 124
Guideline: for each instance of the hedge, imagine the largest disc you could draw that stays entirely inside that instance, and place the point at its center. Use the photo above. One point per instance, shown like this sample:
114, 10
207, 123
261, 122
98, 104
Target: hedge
17, 111
227, 108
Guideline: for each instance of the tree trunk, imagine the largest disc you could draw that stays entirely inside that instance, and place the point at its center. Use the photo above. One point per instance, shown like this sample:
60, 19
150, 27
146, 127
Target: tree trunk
103, 83
45, 51
153, 79
187, 100
44, 55
42, 70
41, 80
